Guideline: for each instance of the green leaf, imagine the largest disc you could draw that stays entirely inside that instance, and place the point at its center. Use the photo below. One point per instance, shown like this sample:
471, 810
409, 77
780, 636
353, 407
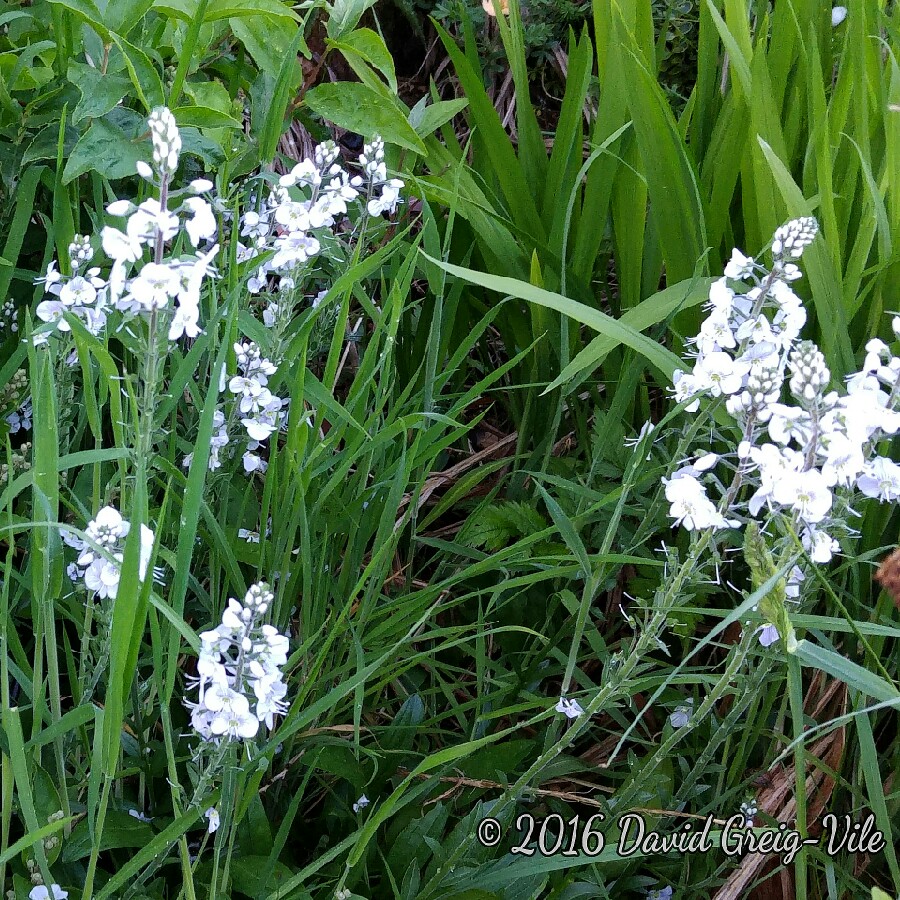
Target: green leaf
427, 119
106, 149
370, 46
204, 117
232, 9
684, 295
120, 830
344, 16
671, 182
142, 72
266, 39
816, 657
87, 11
359, 108
45, 144
99, 92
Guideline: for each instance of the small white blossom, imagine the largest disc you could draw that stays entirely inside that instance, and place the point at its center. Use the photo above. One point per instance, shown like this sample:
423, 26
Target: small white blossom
571, 709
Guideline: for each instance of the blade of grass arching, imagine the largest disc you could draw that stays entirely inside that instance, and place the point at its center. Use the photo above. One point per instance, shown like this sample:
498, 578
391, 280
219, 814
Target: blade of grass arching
823, 278
852, 674
532, 152
720, 168
868, 755
705, 96
504, 164
189, 517
795, 693
612, 120
661, 358
63, 224
652, 311
186, 56
127, 627
289, 76
671, 182
736, 40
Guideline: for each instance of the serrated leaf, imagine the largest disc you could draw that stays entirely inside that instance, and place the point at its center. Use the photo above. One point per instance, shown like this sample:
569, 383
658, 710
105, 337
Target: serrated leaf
359, 108
496, 526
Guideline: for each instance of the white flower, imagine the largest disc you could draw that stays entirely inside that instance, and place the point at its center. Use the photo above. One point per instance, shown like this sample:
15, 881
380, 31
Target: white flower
844, 461
682, 714
201, 185
723, 374
768, 634
807, 493
137, 814
819, 545
571, 709
838, 14
150, 220
144, 170
690, 506
153, 288
202, 223
361, 804
212, 817
40, 892
739, 265
121, 246
881, 479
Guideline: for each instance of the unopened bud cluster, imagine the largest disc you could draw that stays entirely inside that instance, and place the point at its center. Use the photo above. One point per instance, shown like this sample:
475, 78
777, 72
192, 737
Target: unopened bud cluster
166, 140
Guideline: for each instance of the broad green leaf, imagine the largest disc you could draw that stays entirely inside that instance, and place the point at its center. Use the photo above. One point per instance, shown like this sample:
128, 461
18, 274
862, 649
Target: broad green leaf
426, 119
370, 46
142, 72
87, 11
359, 108
232, 9
204, 117
99, 92
106, 149
266, 39
344, 15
